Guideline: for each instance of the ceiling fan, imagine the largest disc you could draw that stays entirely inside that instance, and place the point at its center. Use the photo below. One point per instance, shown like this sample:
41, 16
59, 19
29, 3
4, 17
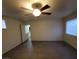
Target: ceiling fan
38, 9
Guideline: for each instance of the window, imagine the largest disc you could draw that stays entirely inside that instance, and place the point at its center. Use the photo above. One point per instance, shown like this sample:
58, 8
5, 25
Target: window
71, 27
3, 24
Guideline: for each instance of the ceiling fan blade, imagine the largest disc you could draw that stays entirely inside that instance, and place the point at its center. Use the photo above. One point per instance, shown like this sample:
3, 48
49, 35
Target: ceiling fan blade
45, 7
26, 9
46, 13
27, 14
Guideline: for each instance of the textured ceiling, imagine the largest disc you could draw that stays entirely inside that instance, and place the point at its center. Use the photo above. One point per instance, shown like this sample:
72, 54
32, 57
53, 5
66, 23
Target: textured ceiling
59, 8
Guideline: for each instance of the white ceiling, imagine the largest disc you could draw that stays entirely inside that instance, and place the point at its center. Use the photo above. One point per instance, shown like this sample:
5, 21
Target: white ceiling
59, 8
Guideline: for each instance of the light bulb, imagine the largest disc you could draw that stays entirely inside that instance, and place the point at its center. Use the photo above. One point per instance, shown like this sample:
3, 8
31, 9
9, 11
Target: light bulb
36, 12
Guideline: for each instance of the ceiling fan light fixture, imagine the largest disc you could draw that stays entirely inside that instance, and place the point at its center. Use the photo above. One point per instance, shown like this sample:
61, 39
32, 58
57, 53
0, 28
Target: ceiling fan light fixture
36, 12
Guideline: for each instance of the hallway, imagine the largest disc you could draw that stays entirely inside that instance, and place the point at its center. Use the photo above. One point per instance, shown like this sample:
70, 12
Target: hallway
42, 50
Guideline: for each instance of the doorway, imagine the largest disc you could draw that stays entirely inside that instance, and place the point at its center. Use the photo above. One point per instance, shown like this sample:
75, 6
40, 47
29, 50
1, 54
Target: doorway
28, 32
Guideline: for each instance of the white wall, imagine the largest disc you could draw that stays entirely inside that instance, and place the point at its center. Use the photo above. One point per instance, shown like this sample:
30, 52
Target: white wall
46, 30
71, 40
11, 37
